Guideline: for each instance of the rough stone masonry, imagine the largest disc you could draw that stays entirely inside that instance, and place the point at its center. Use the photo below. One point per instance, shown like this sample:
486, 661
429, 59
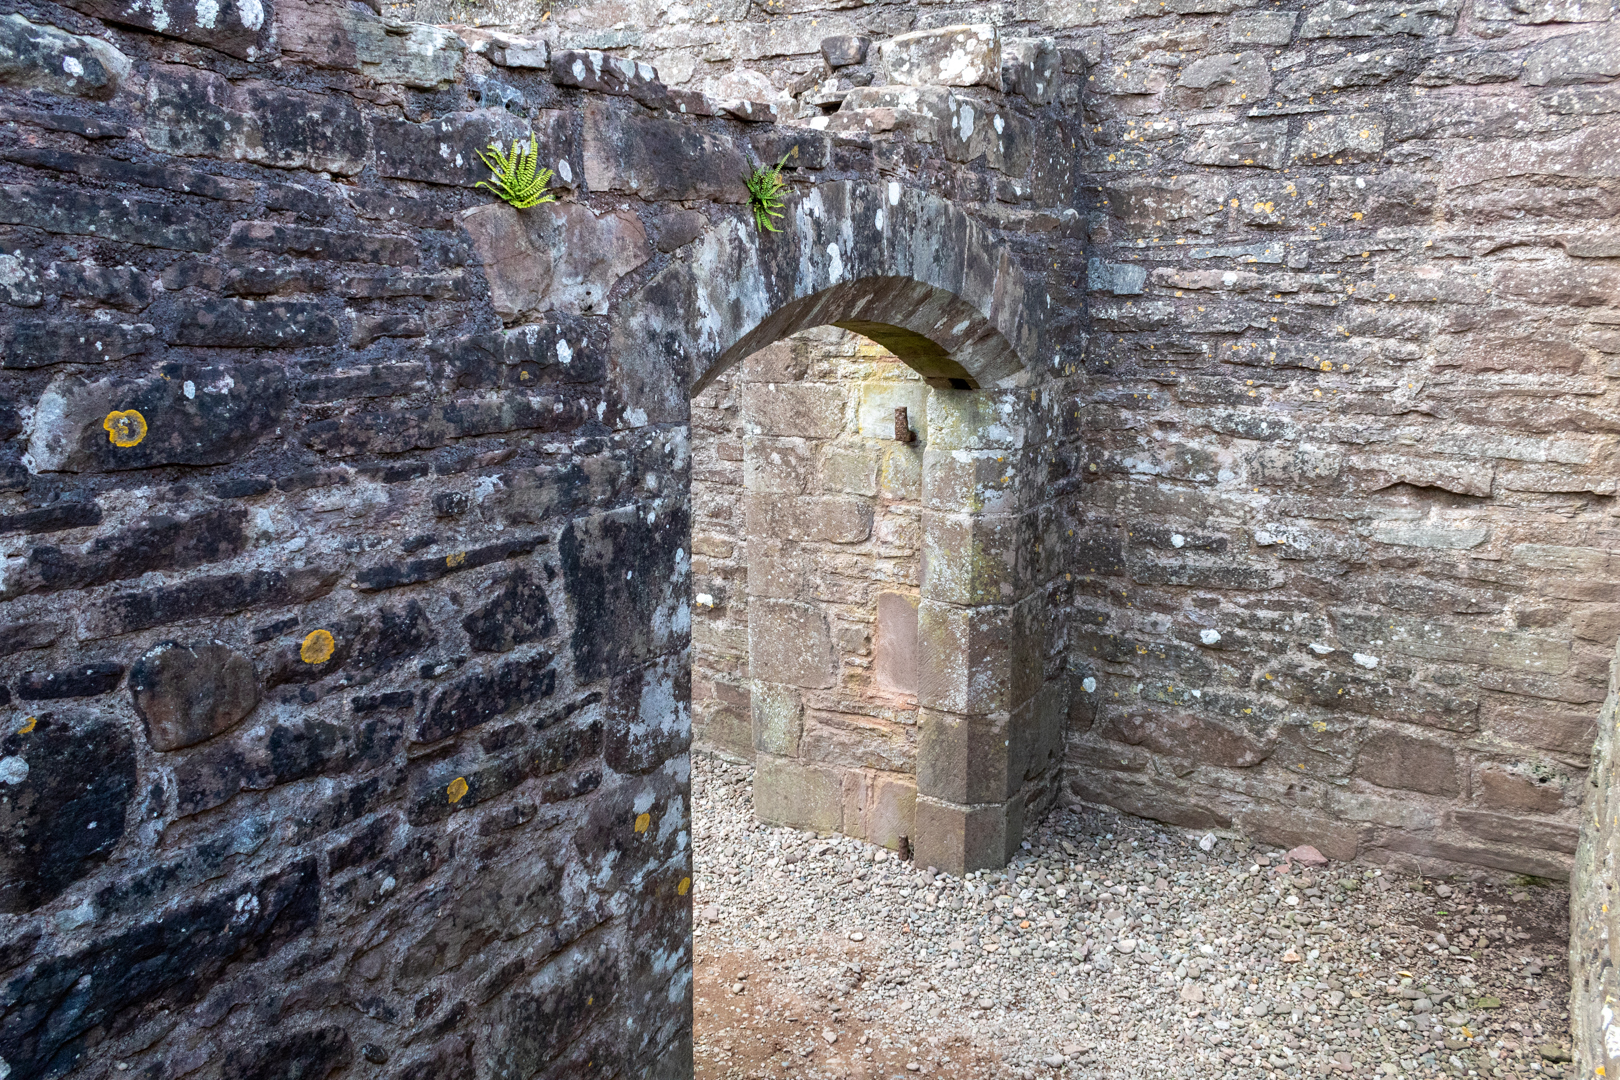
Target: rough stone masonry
347, 552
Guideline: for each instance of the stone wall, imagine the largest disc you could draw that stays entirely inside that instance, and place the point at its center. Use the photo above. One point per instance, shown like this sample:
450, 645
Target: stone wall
345, 531
1594, 929
1339, 459
829, 519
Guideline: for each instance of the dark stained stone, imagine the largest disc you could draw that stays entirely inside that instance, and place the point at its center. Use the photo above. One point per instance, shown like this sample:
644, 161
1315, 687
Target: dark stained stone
377, 641
85, 680
187, 694
106, 215
223, 594
540, 1022
627, 150
416, 571
484, 695
169, 962
308, 1055
15, 637
157, 543
649, 717
64, 816
260, 758
519, 613
618, 571
174, 178
242, 30
194, 415
256, 324
41, 343
842, 50
66, 514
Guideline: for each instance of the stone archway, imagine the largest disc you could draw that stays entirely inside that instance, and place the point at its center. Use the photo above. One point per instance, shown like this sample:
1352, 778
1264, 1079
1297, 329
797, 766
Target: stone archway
921, 278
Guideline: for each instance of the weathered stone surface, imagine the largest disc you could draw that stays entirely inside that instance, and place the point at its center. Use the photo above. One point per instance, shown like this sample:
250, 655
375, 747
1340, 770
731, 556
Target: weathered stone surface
554, 257
517, 614
199, 114
112, 217
844, 50
621, 573
191, 414
589, 69
1341, 18
188, 694
1590, 56
85, 680
64, 810
239, 28
659, 159
790, 643
158, 542
950, 56
483, 695
201, 598
1393, 760
1260, 143
46, 58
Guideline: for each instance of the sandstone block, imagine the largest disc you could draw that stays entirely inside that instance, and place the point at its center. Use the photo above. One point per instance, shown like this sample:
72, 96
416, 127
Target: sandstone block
659, 159
781, 466
45, 58
1342, 18
559, 256
968, 55
966, 759
239, 28
880, 808
852, 741
1339, 139
851, 469
1262, 143
1537, 833
896, 650
1593, 55
1262, 27
981, 660
1436, 640
844, 50
1393, 760
777, 718
804, 796
791, 643
972, 559
1221, 80
837, 519
1536, 787
804, 410
109, 216
1031, 67
957, 839
589, 69
197, 113
188, 694
445, 151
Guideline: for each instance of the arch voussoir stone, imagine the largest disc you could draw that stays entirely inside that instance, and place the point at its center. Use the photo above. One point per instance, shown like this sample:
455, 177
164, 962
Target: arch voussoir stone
903, 267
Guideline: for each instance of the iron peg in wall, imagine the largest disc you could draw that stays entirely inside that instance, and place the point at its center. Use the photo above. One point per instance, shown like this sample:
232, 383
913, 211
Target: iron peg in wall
902, 427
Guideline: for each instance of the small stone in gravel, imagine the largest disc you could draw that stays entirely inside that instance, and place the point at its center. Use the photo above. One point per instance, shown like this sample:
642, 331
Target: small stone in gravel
1305, 855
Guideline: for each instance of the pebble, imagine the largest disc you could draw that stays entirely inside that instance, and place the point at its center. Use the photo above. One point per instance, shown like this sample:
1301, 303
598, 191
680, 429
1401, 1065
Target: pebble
1114, 947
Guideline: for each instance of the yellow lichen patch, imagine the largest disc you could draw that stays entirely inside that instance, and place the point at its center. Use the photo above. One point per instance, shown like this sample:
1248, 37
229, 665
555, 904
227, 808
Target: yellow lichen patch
124, 427
684, 887
28, 725
642, 821
318, 647
455, 559
457, 790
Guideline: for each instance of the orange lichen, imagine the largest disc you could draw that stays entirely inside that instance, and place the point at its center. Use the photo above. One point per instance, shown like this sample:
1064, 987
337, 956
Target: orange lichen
124, 427
318, 647
455, 559
28, 725
684, 887
457, 790
642, 821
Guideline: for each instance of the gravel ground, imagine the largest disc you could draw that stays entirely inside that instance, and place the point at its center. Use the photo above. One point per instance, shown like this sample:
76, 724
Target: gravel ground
1112, 947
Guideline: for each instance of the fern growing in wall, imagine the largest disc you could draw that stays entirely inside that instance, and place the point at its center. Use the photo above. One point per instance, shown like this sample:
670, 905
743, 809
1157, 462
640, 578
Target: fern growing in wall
765, 190
517, 177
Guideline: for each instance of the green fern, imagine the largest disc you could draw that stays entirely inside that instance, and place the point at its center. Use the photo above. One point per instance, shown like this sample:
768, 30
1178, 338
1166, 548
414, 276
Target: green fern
765, 190
518, 178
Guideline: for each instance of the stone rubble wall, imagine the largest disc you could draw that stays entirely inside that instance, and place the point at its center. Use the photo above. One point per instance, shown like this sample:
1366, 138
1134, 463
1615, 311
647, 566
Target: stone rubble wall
1339, 463
830, 522
344, 597
1594, 929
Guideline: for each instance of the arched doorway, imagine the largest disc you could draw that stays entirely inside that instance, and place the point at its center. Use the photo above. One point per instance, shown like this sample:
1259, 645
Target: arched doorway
918, 276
